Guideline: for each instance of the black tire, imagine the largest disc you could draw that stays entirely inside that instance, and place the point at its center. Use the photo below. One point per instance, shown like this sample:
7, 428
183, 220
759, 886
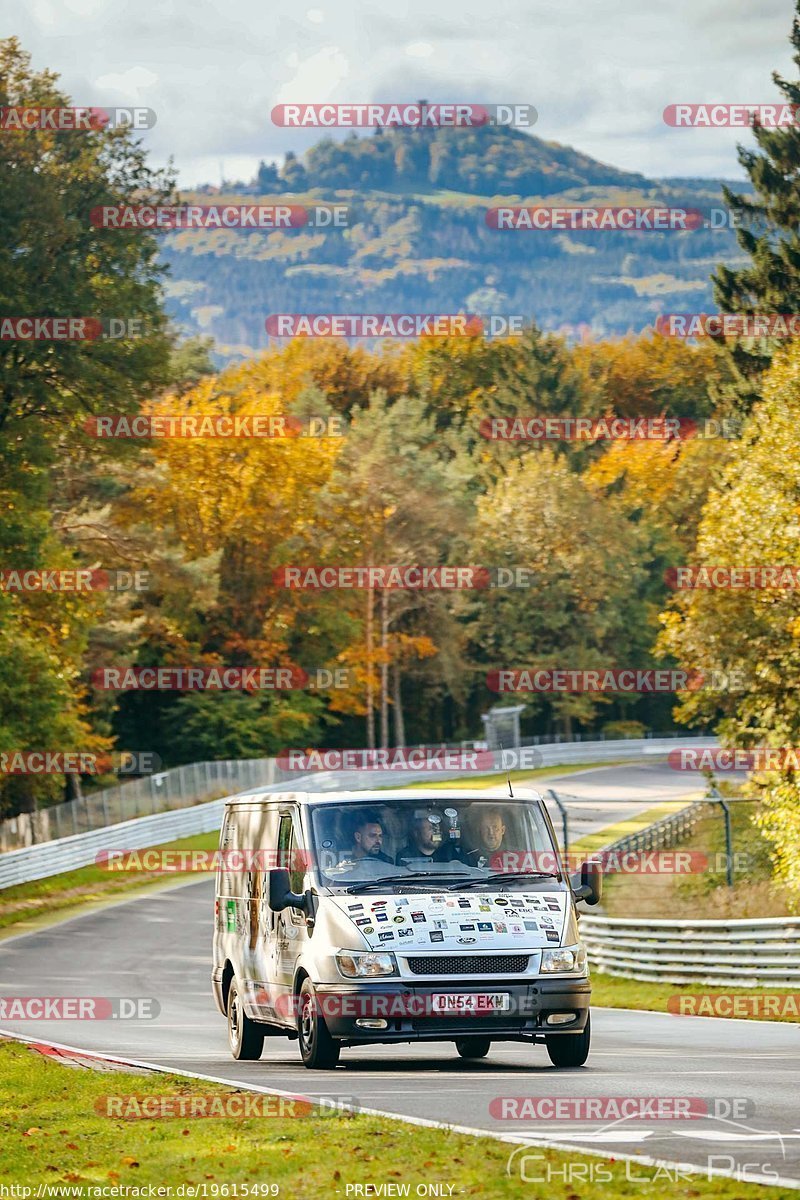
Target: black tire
246, 1037
319, 1051
473, 1047
570, 1049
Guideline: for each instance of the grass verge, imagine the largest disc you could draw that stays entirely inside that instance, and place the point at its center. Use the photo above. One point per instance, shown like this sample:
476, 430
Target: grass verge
53, 1135
610, 992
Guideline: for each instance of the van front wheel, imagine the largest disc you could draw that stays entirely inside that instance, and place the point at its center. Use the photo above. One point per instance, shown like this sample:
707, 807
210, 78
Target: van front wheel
319, 1051
246, 1037
570, 1049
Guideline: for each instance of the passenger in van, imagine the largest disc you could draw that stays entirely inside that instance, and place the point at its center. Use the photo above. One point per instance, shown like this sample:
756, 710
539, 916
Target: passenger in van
490, 832
368, 839
425, 840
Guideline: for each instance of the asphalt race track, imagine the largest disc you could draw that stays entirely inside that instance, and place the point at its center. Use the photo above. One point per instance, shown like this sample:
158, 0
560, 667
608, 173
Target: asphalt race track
158, 946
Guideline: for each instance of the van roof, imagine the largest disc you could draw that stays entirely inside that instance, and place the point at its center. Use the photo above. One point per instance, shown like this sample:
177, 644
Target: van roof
258, 796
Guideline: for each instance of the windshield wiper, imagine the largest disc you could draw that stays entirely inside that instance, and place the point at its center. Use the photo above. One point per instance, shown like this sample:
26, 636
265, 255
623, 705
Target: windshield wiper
415, 878
498, 876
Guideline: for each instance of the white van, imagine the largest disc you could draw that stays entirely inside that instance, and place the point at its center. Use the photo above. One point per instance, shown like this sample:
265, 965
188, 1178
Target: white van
346, 918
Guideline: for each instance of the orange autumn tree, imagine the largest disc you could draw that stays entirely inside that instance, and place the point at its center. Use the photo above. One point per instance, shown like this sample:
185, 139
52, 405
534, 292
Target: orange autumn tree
234, 501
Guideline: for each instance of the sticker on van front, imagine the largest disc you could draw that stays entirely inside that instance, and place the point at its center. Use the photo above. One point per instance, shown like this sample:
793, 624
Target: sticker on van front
416, 919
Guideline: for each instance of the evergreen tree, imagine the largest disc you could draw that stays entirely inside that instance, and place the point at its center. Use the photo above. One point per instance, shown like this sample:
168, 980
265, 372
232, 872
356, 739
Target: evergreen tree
267, 178
770, 228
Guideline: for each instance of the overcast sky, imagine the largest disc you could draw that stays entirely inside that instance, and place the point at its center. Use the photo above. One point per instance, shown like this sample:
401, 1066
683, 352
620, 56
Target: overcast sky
599, 72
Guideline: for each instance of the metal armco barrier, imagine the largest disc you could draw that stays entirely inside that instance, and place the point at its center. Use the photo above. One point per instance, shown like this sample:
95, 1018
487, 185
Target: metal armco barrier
81, 849
762, 952
669, 831
51, 858
164, 791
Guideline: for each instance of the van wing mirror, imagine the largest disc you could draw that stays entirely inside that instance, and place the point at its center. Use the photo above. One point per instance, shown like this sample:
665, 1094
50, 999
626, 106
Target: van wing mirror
281, 895
587, 884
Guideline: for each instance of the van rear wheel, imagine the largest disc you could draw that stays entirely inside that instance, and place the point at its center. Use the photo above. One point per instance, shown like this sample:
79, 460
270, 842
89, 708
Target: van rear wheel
319, 1051
570, 1049
246, 1037
473, 1047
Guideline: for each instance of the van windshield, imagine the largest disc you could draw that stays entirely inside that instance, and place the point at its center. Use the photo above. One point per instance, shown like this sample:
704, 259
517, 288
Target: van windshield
412, 841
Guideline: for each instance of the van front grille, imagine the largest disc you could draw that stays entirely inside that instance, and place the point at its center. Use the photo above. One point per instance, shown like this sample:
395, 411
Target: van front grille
468, 964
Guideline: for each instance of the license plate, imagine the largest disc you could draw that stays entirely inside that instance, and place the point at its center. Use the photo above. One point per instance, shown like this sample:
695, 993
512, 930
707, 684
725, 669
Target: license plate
470, 1003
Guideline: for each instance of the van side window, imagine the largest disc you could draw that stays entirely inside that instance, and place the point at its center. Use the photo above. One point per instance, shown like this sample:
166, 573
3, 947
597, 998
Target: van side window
286, 853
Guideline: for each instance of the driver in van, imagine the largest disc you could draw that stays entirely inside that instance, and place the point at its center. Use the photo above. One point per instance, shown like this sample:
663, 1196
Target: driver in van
368, 839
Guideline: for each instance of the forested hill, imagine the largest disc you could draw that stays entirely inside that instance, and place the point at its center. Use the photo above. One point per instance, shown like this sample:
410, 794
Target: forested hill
480, 162
418, 242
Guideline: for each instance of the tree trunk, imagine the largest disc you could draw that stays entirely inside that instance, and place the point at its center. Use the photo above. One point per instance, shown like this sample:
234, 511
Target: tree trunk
370, 664
399, 723
384, 669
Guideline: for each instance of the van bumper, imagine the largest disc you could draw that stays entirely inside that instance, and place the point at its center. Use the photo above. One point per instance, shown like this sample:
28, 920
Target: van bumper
409, 1014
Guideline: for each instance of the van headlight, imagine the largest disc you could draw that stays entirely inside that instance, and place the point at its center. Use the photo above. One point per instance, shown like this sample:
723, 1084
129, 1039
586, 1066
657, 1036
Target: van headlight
357, 965
566, 958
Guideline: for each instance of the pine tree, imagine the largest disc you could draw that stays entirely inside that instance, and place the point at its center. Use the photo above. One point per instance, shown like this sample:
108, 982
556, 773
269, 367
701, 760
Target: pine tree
769, 229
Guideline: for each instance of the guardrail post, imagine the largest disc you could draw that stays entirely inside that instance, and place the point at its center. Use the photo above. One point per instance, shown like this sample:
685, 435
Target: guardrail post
716, 798
562, 809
